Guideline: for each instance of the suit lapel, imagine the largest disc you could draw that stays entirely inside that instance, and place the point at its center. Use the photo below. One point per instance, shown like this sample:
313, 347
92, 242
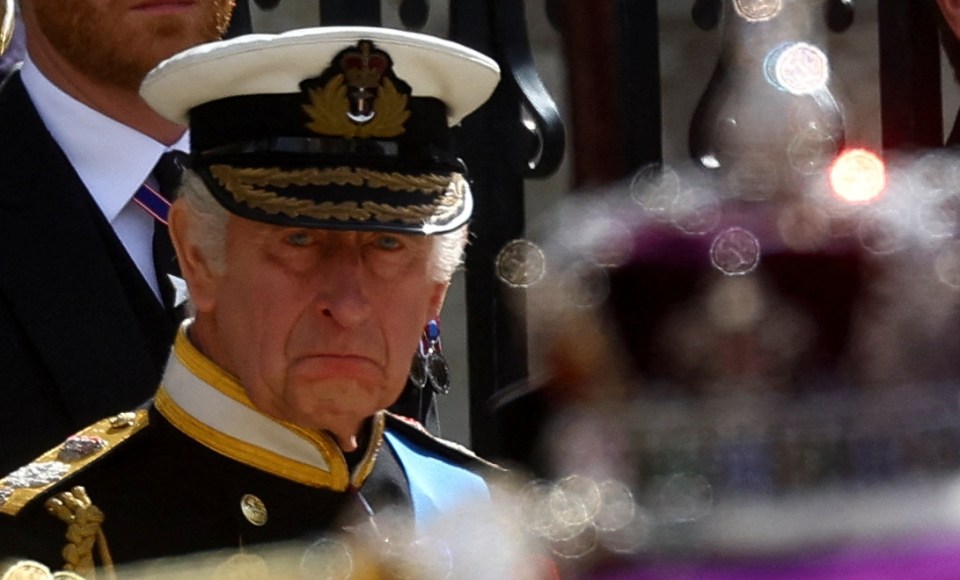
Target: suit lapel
56, 274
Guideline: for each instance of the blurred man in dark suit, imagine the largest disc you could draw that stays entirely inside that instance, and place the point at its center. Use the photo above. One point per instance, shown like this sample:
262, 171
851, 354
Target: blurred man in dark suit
84, 329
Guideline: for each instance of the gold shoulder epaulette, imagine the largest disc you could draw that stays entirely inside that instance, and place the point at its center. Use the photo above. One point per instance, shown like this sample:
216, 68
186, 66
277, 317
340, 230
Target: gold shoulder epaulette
453, 446
19, 488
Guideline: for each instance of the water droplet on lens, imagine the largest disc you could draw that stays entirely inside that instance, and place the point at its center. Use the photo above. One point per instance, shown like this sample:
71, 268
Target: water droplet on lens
586, 492
654, 188
327, 559
811, 150
535, 508
576, 546
799, 68
630, 538
570, 513
735, 252
617, 506
696, 212
521, 264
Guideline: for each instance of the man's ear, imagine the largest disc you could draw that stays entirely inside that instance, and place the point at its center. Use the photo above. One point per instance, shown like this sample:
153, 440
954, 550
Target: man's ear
194, 265
437, 297
951, 14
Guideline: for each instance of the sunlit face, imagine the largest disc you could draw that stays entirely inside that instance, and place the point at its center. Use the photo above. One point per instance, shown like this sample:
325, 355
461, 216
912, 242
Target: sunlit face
119, 41
319, 326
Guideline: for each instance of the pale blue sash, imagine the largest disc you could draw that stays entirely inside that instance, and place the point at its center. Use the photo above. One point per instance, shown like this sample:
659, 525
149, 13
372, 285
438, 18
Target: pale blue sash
436, 487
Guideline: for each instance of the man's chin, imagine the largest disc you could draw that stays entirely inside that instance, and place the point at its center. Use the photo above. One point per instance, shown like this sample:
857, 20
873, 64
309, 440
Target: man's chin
345, 427
334, 415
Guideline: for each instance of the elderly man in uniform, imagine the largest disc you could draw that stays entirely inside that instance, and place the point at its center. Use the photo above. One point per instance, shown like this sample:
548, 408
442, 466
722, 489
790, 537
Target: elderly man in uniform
318, 229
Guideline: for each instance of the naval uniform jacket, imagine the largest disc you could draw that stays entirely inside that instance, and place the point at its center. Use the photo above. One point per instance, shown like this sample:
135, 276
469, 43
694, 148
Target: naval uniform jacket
82, 335
180, 476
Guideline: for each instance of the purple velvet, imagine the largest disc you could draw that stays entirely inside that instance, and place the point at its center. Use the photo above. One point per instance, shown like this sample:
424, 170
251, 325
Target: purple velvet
918, 559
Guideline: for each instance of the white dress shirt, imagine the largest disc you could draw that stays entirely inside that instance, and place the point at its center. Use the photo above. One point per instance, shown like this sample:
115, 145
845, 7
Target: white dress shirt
111, 159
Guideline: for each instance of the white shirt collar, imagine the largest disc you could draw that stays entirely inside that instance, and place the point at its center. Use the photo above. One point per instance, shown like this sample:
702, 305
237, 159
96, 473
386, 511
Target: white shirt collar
89, 137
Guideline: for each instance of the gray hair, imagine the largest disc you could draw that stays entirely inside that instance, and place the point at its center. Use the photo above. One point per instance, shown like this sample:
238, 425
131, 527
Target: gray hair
208, 228
207, 220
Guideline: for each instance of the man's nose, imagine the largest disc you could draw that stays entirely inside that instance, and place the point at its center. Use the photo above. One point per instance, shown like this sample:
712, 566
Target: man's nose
341, 287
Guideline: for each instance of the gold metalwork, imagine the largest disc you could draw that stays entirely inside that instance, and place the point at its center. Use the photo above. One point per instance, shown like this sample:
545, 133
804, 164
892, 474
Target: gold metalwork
329, 108
84, 532
122, 420
7, 20
20, 497
365, 467
245, 184
364, 66
253, 509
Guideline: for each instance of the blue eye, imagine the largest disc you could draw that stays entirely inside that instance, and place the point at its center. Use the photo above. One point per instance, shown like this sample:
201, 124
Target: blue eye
299, 239
389, 243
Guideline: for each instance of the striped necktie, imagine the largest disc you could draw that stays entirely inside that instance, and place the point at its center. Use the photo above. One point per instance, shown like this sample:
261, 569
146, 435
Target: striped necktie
168, 173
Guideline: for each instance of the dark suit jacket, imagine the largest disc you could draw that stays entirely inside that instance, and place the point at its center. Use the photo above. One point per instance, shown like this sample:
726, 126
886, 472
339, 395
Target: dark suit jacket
81, 334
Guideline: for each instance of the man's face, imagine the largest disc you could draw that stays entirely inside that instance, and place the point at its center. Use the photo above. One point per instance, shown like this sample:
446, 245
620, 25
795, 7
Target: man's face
319, 326
119, 41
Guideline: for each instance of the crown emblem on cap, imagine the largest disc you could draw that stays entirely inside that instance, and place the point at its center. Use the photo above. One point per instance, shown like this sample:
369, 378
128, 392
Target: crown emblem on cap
361, 100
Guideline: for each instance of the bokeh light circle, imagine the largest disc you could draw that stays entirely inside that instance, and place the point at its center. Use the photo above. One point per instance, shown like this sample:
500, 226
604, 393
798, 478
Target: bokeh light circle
327, 559
810, 151
696, 212
735, 251
521, 264
654, 188
757, 10
800, 68
617, 507
858, 176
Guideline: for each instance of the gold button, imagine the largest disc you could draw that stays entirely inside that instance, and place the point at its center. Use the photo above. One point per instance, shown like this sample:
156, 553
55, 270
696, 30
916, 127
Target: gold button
253, 509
